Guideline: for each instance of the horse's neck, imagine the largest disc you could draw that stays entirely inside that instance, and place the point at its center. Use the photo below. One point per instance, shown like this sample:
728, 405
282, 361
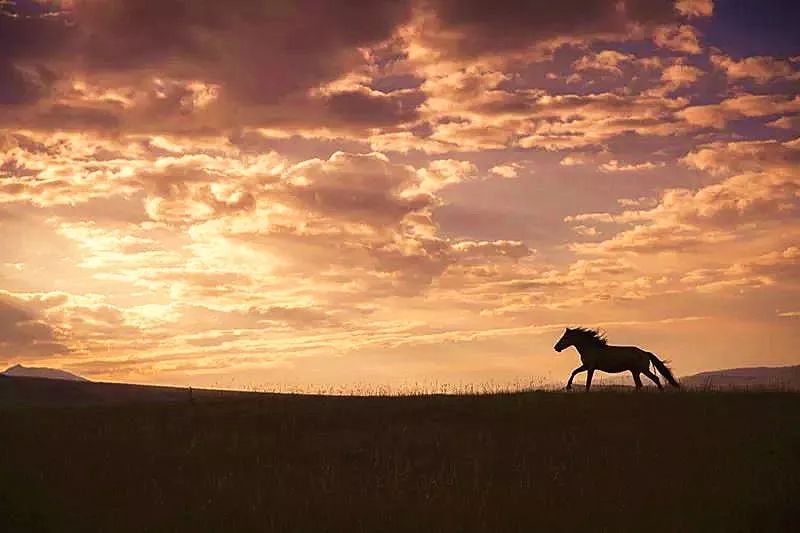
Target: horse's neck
589, 352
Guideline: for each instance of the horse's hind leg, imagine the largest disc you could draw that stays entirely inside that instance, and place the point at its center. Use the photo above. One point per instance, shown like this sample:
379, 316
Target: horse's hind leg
653, 378
636, 379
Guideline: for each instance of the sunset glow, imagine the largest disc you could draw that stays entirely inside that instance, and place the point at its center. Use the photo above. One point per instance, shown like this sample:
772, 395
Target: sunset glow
308, 193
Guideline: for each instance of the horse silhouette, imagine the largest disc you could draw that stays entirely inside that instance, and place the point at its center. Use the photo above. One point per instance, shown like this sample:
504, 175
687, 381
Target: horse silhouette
596, 354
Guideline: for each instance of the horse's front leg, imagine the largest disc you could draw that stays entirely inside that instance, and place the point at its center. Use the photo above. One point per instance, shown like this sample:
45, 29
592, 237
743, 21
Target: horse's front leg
589, 374
572, 376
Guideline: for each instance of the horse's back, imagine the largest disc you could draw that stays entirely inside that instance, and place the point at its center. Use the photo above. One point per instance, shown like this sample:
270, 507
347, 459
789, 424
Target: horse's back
622, 358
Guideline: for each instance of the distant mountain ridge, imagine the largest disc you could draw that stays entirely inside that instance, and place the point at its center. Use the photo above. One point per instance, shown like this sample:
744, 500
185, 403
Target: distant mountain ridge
32, 391
787, 377
20, 371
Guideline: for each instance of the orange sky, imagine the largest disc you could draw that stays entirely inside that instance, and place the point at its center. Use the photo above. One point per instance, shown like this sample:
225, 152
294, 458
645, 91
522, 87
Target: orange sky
408, 193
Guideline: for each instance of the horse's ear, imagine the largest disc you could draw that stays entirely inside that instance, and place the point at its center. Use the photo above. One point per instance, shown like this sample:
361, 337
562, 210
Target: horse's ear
569, 330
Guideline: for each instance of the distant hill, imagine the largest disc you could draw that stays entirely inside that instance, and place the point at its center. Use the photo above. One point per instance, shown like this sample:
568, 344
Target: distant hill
784, 377
34, 391
40, 372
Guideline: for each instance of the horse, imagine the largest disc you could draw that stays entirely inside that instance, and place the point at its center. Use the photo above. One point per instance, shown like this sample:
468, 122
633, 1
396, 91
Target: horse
596, 354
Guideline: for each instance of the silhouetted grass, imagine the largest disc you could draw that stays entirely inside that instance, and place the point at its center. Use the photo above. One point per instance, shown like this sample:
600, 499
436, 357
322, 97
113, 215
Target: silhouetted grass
544, 461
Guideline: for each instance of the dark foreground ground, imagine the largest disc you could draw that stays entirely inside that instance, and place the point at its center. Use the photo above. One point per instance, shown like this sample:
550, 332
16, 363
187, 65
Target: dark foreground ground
539, 461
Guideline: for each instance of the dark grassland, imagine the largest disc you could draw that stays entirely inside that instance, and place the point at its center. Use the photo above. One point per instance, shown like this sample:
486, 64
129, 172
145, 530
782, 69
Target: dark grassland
543, 461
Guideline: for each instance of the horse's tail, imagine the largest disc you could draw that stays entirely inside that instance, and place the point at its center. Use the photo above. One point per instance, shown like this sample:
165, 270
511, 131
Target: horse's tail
664, 370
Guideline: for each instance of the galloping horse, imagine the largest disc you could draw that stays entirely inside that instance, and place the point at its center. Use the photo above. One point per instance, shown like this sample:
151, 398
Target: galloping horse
596, 354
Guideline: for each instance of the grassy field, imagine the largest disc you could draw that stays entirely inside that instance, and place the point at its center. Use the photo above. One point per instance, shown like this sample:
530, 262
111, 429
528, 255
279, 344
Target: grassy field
543, 461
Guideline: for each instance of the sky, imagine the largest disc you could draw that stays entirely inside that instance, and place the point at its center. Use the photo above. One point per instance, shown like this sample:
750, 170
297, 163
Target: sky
306, 194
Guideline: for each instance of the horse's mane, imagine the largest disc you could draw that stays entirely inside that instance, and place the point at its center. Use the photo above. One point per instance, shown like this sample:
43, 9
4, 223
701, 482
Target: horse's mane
591, 335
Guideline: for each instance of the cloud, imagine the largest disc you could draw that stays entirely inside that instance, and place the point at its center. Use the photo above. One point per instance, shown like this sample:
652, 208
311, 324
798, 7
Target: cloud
616, 166
113, 65
108, 248
473, 28
680, 38
407, 141
197, 71
695, 8
680, 75
71, 168
23, 333
443, 172
587, 231
59, 169
605, 61
358, 217
301, 317
762, 69
786, 123
737, 107
470, 109
573, 160
654, 237
766, 270
110, 66
211, 206
495, 119
200, 186
505, 171
26, 40
706, 116
761, 188
362, 188
374, 108
745, 156
221, 43
482, 249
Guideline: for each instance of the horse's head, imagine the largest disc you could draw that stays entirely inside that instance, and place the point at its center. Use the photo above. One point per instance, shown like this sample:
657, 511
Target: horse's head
581, 337
565, 341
